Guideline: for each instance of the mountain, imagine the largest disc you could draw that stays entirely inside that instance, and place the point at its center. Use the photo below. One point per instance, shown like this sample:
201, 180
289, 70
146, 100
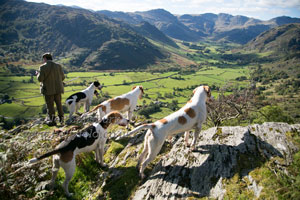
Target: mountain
162, 19
150, 31
86, 39
238, 29
285, 38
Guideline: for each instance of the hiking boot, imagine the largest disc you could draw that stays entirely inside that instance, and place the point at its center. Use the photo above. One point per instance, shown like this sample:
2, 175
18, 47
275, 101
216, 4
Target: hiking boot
61, 120
51, 122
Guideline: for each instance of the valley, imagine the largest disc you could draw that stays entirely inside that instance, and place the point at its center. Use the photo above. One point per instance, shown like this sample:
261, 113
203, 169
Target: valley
248, 147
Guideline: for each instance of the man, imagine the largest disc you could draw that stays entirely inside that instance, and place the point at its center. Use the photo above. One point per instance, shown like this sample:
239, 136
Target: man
51, 77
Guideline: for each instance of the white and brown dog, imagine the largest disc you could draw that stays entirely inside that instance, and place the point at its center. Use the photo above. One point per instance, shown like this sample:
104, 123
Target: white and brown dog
126, 102
190, 116
92, 138
85, 97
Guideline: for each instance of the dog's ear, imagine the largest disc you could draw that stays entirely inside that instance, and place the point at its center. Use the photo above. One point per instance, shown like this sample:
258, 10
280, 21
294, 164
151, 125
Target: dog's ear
207, 90
142, 89
114, 116
133, 87
194, 90
96, 83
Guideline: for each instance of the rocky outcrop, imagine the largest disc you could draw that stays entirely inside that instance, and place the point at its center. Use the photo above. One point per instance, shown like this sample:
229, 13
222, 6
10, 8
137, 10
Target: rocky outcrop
221, 153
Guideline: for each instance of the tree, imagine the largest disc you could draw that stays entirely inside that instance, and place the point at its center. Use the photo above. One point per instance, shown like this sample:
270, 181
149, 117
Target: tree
230, 107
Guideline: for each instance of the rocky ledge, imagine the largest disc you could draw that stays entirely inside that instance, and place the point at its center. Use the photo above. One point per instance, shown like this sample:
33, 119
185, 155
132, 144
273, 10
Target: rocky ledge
226, 158
221, 153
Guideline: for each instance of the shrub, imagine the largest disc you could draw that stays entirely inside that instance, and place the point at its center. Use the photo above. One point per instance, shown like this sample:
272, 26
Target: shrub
273, 114
147, 111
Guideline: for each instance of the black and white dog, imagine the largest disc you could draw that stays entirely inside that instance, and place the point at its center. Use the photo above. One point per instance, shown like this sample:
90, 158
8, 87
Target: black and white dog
92, 138
84, 97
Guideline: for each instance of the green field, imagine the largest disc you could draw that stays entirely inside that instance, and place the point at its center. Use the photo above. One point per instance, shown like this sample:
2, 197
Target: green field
27, 101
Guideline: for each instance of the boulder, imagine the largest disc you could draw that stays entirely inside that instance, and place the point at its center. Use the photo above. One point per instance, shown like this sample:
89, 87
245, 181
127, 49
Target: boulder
221, 153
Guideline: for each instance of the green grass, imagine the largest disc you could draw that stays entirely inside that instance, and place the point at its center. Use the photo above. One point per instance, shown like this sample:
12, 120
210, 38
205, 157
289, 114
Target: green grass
28, 93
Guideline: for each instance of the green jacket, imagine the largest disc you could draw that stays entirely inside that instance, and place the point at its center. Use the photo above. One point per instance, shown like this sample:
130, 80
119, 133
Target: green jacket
51, 77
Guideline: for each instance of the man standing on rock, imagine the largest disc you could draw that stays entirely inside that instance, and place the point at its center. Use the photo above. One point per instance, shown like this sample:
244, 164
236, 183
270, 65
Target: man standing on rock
51, 77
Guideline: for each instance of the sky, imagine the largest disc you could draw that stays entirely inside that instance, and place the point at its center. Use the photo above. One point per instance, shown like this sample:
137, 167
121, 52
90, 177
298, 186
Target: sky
259, 9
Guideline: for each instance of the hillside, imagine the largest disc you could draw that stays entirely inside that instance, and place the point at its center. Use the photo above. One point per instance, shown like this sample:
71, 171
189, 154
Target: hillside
150, 31
285, 39
257, 161
277, 73
89, 40
281, 45
221, 27
162, 19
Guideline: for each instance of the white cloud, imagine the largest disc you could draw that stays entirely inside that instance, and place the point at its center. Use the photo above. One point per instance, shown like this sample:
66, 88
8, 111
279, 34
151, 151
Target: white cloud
262, 9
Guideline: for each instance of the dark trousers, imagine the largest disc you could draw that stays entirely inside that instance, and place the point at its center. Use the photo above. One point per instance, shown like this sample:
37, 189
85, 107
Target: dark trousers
50, 99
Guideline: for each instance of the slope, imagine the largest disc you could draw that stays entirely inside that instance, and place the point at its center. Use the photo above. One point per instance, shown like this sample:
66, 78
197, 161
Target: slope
257, 161
285, 38
89, 40
221, 27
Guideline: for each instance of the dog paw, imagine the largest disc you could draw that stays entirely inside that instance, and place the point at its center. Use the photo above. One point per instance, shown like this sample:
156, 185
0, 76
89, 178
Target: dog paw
103, 165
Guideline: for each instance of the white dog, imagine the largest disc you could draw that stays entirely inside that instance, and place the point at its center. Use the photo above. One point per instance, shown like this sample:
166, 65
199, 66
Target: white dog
126, 102
84, 97
192, 115
93, 138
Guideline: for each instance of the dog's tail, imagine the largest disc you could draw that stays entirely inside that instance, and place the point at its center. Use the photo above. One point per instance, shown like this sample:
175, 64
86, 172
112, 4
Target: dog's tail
56, 151
144, 126
96, 108
69, 101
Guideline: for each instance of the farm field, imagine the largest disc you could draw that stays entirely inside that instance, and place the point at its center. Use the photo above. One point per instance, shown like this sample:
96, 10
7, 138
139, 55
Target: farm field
165, 87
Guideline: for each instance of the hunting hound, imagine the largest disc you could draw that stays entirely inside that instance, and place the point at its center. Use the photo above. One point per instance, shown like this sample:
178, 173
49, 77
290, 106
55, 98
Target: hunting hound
84, 97
92, 138
190, 116
126, 102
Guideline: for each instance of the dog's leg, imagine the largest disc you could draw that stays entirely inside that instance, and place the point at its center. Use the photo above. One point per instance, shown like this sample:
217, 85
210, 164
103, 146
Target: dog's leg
69, 169
144, 153
196, 135
55, 169
186, 138
87, 106
154, 147
129, 116
77, 106
72, 109
99, 114
101, 153
97, 158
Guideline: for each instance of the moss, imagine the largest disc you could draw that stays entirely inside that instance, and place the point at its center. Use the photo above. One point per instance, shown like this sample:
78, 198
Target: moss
218, 134
277, 184
237, 188
114, 149
123, 186
277, 130
294, 136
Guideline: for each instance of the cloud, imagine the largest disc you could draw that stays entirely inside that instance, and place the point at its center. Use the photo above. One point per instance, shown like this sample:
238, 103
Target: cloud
262, 9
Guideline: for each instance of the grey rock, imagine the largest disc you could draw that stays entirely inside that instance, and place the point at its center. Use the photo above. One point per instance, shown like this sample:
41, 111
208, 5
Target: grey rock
221, 152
